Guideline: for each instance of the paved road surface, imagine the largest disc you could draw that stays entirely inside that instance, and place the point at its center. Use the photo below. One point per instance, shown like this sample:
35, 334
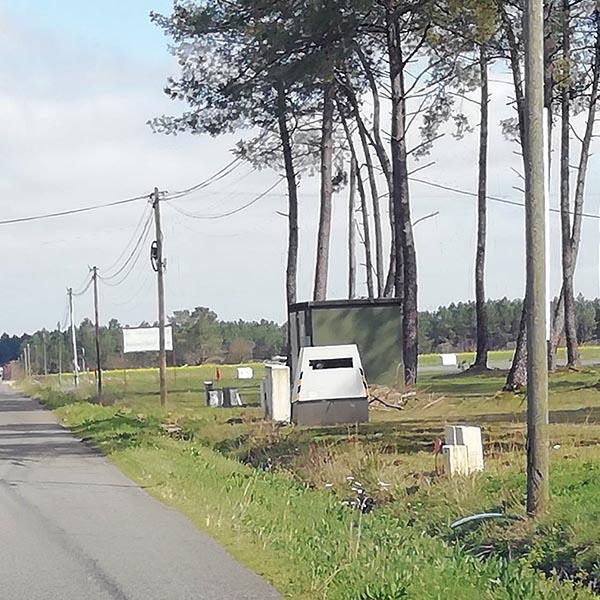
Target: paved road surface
72, 527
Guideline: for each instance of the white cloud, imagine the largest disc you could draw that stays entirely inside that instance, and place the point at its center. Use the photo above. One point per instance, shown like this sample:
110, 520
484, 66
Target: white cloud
74, 134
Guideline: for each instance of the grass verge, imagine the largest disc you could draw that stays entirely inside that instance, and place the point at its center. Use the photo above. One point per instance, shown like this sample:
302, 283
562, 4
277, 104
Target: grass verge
278, 498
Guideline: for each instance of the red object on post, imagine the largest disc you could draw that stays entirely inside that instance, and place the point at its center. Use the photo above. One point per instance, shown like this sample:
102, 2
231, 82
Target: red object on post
218, 374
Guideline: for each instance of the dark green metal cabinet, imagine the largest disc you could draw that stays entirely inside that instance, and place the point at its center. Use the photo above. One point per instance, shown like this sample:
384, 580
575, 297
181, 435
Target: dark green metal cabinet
375, 326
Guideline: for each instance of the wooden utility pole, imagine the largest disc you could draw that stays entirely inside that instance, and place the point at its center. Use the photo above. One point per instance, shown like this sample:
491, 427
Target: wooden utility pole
33, 369
45, 353
97, 326
159, 267
59, 353
535, 225
73, 338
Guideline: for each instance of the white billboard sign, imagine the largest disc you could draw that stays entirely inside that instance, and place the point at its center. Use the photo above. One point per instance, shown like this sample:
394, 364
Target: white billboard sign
448, 360
145, 339
245, 373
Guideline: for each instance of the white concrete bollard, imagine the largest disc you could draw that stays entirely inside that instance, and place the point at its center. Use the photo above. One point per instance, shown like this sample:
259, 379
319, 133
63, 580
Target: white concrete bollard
278, 406
456, 460
470, 437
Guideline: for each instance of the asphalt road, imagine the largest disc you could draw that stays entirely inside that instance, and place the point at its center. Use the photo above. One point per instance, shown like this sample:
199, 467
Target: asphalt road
73, 527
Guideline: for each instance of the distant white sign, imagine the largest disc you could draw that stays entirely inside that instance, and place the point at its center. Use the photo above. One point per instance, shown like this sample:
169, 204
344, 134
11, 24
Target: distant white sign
145, 339
448, 360
245, 373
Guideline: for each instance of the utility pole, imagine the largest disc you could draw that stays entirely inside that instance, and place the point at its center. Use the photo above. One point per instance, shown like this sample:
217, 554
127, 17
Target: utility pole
535, 225
59, 353
73, 338
45, 353
97, 325
159, 266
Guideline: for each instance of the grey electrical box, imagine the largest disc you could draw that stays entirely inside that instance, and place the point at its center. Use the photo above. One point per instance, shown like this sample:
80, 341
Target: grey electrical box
231, 397
374, 325
208, 388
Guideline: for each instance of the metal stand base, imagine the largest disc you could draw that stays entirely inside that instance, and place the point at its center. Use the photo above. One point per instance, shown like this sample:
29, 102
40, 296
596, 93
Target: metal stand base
330, 412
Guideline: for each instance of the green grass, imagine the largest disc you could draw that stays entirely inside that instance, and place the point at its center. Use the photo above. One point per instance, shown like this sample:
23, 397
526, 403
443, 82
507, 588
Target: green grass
505, 356
273, 495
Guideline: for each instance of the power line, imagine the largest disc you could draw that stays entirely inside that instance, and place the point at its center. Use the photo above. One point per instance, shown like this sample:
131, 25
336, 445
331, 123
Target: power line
132, 260
145, 281
215, 195
493, 198
84, 282
135, 252
182, 223
140, 225
84, 290
221, 174
65, 319
230, 212
73, 211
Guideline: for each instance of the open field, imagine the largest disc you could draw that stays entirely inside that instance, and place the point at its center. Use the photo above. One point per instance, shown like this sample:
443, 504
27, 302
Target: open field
276, 497
588, 354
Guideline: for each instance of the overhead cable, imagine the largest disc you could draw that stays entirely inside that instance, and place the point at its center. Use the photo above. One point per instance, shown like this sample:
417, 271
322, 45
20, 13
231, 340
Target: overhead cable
230, 212
131, 262
143, 236
73, 211
226, 170
492, 198
145, 282
85, 289
138, 228
221, 174
65, 318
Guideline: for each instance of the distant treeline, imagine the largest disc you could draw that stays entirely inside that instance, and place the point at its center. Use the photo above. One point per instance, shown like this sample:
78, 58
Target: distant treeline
452, 328
199, 336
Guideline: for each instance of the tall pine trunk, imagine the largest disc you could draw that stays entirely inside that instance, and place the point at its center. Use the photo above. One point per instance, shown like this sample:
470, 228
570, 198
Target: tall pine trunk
517, 375
352, 232
565, 219
322, 262
364, 209
556, 331
366, 239
379, 270
584, 155
385, 164
405, 246
290, 174
374, 140
481, 356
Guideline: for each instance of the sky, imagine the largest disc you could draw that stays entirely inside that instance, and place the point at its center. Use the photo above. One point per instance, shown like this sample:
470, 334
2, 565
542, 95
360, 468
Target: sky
78, 83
